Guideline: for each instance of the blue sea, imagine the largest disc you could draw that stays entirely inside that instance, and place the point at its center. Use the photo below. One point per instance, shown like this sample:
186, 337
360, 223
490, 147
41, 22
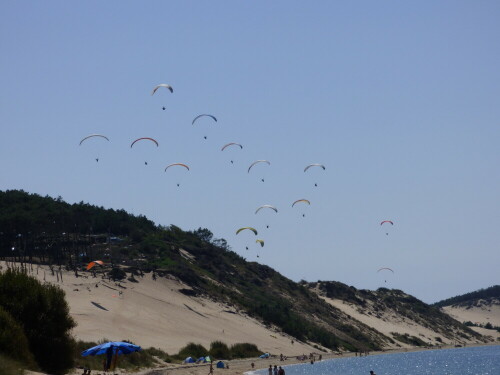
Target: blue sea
483, 360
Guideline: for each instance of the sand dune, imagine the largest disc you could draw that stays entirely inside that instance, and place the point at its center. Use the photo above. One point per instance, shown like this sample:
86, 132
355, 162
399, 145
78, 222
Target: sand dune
156, 314
482, 313
386, 322
476, 314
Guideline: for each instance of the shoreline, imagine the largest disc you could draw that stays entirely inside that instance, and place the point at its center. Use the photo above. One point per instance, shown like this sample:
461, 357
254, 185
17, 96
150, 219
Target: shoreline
243, 366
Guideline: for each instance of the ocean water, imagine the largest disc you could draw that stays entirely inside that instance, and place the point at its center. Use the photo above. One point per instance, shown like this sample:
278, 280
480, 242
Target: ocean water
483, 360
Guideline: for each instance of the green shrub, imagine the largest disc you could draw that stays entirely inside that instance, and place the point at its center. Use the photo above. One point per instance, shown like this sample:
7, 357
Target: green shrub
117, 274
13, 341
43, 312
164, 356
219, 350
9, 366
407, 339
245, 350
192, 350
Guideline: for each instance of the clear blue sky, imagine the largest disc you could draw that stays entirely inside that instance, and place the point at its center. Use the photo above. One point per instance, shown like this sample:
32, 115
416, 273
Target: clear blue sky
399, 100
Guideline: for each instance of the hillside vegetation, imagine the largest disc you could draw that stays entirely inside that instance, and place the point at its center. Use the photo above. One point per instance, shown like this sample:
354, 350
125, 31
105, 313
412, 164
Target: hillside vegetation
395, 306
66, 236
470, 299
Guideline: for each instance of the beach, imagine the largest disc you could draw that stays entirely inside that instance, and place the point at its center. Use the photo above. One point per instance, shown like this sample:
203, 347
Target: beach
159, 313
242, 366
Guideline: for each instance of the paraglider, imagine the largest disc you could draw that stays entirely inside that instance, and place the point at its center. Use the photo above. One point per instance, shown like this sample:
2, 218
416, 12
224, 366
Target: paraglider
267, 206
314, 165
261, 242
177, 164
247, 228
162, 85
231, 144
387, 221
94, 135
168, 87
145, 138
94, 263
301, 201
257, 162
142, 139
387, 269
203, 115
197, 117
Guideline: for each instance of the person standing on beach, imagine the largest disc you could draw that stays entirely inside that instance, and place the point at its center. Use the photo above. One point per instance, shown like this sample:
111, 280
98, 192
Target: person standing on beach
211, 371
275, 370
270, 369
281, 371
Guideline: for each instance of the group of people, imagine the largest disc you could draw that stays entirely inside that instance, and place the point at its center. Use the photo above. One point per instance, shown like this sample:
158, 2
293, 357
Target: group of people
276, 370
361, 354
312, 357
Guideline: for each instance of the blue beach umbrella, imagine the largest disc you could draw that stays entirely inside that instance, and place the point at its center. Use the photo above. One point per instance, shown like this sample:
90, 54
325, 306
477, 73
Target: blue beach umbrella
116, 347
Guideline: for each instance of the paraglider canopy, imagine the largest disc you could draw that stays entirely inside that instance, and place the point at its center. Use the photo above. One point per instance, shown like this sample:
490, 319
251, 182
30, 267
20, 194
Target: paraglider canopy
162, 85
94, 263
385, 268
207, 115
177, 164
314, 165
267, 206
231, 144
301, 200
145, 138
387, 221
247, 228
94, 135
258, 161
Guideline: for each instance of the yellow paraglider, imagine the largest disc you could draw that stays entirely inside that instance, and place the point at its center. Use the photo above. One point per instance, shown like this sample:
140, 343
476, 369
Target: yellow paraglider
267, 206
301, 200
249, 228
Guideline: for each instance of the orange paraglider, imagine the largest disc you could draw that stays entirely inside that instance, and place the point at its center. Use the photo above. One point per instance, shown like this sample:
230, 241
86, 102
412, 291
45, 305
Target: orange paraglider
93, 263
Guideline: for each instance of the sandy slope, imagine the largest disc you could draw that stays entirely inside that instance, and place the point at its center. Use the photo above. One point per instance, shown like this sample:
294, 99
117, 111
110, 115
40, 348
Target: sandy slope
476, 314
389, 321
155, 313
480, 314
